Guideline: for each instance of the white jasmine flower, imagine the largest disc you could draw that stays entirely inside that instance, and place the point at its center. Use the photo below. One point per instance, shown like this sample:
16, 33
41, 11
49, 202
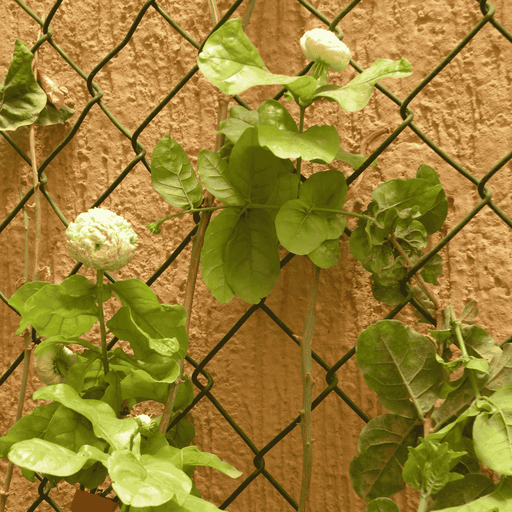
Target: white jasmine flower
53, 362
101, 239
323, 46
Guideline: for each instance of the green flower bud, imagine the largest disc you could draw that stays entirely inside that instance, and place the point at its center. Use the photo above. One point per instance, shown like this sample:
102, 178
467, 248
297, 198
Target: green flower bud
323, 46
101, 239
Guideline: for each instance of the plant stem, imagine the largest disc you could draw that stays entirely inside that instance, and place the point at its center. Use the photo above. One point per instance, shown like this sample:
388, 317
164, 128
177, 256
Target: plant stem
301, 129
463, 349
307, 392
99, 294
423, 504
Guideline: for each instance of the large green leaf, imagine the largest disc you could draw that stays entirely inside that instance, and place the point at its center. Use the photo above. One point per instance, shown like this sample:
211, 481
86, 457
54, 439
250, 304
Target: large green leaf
212, 170
28, 426
356, 94
399, 364
232, 63
460, 492
253, 170
498, 501
173, 176
21, 97
50, 458
103, 418
251, 257
151, 320
142, 386
66, 309
219, 232
150, 481
377, 470
492, 431
318, 143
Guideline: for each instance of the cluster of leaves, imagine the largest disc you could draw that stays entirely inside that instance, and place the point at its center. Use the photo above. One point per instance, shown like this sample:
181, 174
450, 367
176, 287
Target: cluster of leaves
81, 435
23, 100
404, 369
405, 212
254, 174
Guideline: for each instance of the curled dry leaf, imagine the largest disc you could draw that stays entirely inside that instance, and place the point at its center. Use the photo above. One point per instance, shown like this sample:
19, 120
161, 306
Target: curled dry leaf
54, 93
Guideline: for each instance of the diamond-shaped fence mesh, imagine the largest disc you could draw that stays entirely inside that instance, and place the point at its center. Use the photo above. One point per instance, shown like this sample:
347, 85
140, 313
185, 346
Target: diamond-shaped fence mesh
478, 195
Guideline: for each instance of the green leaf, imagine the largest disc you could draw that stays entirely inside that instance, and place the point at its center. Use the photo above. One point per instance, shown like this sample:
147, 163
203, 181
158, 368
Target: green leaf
399, 364
21, 97
326, 254
212, 170
273, 113
151, 481
479, 344
45, 457
429, 466
470, 312
460, 492
299, 227
142, 386
50, 115
501, 369
232, 63
20, 297
381, 505
172, 175
67, 309
356, 94
68, 340
377, 470
435, 217
303, 89
103, 418
492, 432
150, 319
190, 457
219, 232
318, 143
355, 160
253, 171
28, 426
498, 501
433, 269
251, 257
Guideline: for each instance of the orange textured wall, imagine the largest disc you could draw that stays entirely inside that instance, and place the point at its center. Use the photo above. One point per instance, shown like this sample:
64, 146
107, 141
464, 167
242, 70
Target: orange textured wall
467, 110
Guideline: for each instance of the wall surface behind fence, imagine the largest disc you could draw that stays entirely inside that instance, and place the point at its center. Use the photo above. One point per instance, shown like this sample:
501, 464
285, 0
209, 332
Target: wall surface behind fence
466, 110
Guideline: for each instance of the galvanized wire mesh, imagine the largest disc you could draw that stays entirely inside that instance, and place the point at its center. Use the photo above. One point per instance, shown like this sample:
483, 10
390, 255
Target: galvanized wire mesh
204, 391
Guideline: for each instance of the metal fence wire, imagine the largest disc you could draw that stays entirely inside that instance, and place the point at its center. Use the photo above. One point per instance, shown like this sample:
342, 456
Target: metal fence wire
205, 384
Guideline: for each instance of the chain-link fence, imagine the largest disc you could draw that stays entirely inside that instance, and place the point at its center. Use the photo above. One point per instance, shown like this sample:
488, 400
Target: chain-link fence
201, 377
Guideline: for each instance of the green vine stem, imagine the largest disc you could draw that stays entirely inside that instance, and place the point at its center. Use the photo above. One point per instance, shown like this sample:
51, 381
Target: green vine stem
423, 504
99, 294
307, 392
456, 325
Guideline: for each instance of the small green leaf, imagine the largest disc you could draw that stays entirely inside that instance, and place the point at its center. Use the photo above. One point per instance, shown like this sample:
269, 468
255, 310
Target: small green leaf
381, 505
303, 89
20, 297
273, 113
21, 97
219, 232
172, 175
355, 160
141, 385
326, 254
232, 63
212, 170
478, 364
435, 217
326, 189
501, 369
470, 312
251, 257
50, 115
377, 470
399, 364
239, 120
318, 143
433, 269
190, 457
356, 94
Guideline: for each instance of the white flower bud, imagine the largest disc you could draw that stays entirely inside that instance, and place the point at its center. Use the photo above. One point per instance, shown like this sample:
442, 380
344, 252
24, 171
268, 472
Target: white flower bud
101, 239
53, 362
323, 46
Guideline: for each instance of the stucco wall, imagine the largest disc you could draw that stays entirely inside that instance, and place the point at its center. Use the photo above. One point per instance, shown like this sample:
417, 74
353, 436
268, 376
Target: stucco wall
467, 110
